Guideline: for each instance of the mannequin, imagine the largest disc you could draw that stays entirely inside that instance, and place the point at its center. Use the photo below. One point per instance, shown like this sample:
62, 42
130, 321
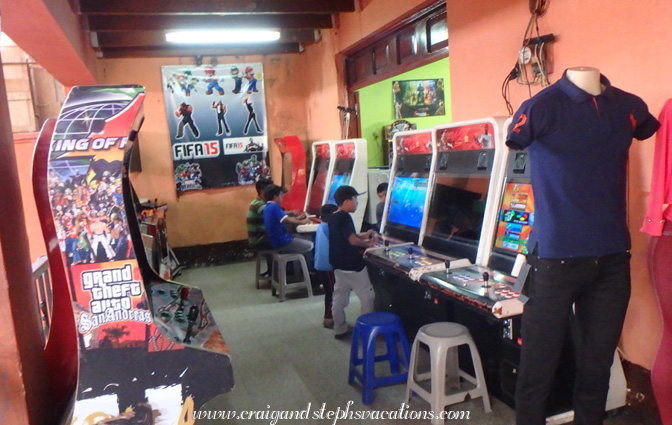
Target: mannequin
585, 78
658, 223
579, 247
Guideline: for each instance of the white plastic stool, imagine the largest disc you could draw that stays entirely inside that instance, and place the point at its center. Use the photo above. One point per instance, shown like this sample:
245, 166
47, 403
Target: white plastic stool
279, 280
258, 277
443, 338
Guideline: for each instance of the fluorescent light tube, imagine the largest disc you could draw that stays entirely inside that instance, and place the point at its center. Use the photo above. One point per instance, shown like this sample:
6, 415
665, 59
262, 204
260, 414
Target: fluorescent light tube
221, 36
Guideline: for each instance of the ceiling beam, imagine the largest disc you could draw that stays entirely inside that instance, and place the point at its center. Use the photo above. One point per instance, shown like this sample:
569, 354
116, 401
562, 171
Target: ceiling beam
151, 7
158, 39
162, 23
237, 50
51, 34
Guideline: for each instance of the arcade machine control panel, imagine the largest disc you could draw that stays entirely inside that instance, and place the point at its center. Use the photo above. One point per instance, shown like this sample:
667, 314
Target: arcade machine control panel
409, 259
492, 291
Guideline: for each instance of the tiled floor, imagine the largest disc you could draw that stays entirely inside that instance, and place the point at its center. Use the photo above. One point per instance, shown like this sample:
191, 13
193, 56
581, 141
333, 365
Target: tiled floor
284, 360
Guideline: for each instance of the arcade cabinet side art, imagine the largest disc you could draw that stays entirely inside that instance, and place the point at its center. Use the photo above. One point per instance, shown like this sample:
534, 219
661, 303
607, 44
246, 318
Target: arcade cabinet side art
149, 349
60, 351
296, 196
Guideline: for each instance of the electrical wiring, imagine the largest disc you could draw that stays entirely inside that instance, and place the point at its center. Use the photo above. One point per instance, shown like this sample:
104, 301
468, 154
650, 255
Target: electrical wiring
505, 88
539, 6
539, 47
536, 54
540, 55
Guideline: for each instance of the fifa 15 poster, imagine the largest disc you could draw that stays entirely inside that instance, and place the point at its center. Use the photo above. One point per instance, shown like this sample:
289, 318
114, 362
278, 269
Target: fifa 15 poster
217, 122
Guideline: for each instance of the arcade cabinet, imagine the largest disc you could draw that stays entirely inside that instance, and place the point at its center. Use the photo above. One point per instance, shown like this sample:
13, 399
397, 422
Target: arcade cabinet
321, 169
412, 164
376, 176
292, 152
144, 347
391, 260
350, 168
459, 185
344, 163
466, 188
485, 296
404, 217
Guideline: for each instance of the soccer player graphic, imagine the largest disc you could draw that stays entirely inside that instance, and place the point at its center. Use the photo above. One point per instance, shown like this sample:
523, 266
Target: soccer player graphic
220, 107
486, 140
185, 112
251, 116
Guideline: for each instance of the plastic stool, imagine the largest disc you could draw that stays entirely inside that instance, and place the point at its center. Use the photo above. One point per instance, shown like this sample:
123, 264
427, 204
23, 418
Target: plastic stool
258, 277
367, 329
443, 338
279, 281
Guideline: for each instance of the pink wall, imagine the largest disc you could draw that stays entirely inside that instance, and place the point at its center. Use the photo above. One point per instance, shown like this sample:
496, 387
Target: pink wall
323, 96
372, 17
625, 42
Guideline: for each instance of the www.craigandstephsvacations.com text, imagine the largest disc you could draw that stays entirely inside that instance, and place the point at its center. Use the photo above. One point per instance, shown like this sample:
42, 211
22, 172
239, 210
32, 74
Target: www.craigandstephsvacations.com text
332, 416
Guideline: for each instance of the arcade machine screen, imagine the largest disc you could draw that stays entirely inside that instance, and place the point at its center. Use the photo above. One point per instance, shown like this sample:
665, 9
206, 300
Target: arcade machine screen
319, 185
456, 214
406, 208
407, 201
515, 221
345, 163
337, 181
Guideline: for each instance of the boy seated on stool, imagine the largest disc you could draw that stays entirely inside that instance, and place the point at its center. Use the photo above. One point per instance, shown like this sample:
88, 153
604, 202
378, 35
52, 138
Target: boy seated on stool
345, 255
276, 220
256, 231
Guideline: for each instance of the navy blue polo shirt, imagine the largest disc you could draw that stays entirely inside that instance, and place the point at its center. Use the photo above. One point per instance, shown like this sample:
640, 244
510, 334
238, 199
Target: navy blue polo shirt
578, 151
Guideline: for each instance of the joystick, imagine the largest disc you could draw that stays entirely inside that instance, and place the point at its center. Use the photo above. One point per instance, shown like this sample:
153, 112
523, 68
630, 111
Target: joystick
192, 316
486, 278
184, 296
410, 255
387, 247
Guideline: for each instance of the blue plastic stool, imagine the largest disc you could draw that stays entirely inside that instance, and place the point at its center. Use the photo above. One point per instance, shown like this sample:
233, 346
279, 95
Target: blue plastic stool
367, 329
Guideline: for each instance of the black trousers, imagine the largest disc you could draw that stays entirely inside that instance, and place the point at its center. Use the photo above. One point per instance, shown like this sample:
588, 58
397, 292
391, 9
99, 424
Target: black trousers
592, 291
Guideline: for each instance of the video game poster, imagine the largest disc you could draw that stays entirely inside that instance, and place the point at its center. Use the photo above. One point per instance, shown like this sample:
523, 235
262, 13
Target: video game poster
217, 123
418, 98
467, 137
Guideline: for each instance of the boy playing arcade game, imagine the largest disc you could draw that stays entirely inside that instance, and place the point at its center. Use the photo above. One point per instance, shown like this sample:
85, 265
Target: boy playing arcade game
345, 256
276, 220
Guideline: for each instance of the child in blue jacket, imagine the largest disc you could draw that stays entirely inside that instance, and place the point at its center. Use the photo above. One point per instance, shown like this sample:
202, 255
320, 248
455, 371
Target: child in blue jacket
321, 264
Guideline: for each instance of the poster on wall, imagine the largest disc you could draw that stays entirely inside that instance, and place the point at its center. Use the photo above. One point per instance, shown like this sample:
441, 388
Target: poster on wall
418, 98
217, 124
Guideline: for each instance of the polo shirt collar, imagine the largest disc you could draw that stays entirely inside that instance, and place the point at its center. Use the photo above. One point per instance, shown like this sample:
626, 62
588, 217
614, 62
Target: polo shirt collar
578, 95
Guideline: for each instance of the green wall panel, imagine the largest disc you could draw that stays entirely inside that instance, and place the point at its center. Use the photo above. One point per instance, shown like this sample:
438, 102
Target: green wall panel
377, 110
